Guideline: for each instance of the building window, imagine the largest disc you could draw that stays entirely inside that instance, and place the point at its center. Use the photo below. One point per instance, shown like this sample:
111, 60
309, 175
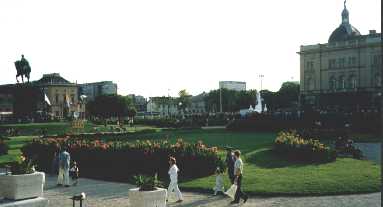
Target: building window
310, 84
72, 98
57, 98
352, 82
341, 62
332, 83
331, 63
378, 80
342, 83
353, 61
309, 65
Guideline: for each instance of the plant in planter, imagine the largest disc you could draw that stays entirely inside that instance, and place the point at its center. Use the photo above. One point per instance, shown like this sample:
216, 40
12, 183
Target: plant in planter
148, 193
23, 182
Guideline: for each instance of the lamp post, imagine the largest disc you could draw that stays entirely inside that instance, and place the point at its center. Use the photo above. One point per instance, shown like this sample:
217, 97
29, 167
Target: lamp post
261, 77
220, 98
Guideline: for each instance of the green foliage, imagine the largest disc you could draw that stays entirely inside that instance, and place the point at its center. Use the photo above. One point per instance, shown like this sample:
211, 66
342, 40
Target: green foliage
147, 183
107, 106
294, 147
22, 166
232, 101
286, 97
103, 159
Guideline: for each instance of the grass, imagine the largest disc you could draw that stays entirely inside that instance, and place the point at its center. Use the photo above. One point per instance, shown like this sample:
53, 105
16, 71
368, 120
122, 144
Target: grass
57, 128
14, 143
264, 173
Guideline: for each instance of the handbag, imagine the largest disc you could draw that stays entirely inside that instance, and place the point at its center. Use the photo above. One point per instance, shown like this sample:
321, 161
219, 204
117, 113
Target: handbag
231, 191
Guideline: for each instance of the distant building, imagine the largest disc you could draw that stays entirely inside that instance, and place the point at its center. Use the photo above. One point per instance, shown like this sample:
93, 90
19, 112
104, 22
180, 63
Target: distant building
233, 85
163, 106
344, 73
62, 94
92, 90
6, 102
139, 102
198, 104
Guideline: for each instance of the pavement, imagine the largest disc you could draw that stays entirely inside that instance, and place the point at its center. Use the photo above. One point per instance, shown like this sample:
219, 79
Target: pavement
112, 194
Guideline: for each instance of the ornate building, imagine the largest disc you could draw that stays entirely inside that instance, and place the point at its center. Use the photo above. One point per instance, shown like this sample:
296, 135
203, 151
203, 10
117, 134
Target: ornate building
343, 73
62, 94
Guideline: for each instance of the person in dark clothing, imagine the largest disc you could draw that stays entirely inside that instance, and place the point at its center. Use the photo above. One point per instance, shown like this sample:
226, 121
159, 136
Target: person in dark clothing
238, 170
230, 160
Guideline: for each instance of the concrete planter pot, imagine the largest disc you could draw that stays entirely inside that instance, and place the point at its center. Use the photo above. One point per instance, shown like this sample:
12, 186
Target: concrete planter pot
17, 187
156, 198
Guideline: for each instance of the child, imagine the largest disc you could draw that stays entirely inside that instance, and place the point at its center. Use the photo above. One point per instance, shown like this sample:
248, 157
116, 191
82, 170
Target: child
74, 172
218, 182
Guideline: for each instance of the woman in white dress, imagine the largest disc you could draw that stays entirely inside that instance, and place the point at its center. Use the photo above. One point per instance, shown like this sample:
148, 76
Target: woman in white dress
173, 185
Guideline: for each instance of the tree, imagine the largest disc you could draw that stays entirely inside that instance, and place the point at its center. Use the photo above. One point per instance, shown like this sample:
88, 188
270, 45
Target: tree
288, 95
108, 106
184, 100
232, 101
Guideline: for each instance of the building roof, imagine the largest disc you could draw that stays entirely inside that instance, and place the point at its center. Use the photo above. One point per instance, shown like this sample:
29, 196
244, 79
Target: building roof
53, 79
343, 33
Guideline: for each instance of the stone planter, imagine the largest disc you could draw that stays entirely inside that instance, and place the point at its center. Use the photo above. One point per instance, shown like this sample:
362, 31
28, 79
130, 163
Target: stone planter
156, 198
16, 187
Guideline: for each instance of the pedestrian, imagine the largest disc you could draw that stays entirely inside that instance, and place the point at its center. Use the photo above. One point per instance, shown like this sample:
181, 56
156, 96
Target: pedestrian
55, 162
173, 185
238, 169
74, 173
218, 182
230, 160
64, 164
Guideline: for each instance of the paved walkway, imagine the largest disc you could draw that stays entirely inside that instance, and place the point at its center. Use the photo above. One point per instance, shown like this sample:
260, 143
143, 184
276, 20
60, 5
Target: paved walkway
101, 193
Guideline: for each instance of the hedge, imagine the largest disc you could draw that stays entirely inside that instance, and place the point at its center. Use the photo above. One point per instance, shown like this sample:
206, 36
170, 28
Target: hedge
119, 160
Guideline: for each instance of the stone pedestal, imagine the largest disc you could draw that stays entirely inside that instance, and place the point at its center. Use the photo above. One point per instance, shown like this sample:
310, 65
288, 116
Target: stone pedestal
18, 187
35, 202
156, 198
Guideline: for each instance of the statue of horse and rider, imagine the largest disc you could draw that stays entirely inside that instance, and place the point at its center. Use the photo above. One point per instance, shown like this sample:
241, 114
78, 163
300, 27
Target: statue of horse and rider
23, 69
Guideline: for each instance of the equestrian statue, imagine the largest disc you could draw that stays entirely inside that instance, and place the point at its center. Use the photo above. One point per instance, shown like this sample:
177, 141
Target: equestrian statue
23, 69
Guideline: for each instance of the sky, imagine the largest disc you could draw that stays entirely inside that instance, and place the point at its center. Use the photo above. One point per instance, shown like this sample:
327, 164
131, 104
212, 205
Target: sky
156, 48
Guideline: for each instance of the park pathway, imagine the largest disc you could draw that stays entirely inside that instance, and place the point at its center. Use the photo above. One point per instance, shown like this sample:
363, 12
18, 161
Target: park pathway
111, 194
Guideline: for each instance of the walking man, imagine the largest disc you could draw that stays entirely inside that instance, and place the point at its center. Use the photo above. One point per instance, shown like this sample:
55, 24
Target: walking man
64, 165
238, 170
230, 160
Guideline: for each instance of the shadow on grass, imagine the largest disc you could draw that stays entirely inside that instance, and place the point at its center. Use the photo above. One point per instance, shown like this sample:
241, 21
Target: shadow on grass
266, 158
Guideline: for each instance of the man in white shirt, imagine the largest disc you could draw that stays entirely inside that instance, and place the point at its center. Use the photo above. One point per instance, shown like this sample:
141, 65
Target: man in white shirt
238, 170
173, 185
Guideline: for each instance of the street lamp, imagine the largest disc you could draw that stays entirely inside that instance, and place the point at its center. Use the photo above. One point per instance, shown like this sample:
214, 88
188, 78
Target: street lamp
261, 77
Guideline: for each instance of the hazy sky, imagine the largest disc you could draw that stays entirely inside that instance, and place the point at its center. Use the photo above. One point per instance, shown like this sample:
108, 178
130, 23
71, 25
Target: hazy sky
148, 47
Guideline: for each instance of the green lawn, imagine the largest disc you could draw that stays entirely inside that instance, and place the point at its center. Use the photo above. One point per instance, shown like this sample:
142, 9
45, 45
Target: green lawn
265, 173
57, 128
14, 143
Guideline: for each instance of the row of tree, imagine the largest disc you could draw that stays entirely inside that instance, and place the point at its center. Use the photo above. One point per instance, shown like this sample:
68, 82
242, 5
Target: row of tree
107, 106
287, 97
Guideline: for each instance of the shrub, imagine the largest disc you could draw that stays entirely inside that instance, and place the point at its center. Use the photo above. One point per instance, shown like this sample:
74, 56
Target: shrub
3, 147
147, 183
296, 148
119, 160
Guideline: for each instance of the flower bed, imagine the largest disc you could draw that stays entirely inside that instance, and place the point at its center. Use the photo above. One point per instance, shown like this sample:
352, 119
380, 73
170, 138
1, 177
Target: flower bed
119, 160
296, 148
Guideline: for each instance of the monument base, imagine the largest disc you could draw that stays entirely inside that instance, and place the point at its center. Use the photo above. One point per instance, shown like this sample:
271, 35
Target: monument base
35, 202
